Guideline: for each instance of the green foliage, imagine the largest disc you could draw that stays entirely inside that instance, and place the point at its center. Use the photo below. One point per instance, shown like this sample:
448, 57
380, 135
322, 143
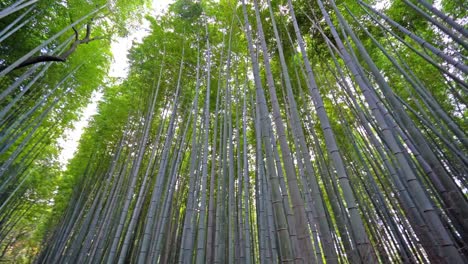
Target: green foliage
182, 35
37, 164
187, 9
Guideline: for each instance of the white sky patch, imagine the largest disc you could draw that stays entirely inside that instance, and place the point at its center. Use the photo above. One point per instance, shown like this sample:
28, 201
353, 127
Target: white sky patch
159, 6
68, 142
120, 46
382, 4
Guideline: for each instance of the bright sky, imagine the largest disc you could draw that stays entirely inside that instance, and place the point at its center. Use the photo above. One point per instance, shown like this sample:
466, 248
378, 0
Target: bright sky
119, 68
69, 141
120, 47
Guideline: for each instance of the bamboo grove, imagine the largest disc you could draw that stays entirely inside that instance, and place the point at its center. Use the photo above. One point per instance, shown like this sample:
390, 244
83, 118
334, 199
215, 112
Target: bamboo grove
271, 131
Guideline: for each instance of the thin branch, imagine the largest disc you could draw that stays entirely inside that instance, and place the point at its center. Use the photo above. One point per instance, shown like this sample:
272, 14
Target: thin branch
64, 56
77, 36
88, 31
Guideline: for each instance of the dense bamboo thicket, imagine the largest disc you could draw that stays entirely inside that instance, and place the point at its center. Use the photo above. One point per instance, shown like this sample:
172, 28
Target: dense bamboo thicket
271, 131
